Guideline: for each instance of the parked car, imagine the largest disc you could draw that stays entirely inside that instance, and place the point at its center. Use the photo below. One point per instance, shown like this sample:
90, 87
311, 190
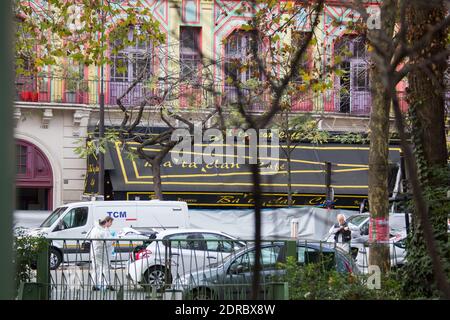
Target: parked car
176, 252
132, 240
232, 278
397, 253
359, 225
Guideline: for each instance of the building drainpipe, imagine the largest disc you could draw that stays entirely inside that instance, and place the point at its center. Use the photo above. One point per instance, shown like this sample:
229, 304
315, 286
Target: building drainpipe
7, 193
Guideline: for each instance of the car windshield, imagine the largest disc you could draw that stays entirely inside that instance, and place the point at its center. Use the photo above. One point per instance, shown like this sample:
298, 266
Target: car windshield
53, 217
357, 220
227, 258
237, 240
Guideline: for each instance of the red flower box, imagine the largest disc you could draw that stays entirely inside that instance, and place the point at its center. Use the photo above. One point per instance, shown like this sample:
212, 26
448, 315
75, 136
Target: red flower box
26, 95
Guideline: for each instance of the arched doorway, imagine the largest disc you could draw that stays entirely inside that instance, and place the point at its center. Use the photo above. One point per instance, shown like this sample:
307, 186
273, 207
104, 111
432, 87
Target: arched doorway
34, 178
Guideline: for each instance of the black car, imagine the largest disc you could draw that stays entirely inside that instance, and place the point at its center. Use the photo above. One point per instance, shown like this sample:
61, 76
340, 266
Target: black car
232, 279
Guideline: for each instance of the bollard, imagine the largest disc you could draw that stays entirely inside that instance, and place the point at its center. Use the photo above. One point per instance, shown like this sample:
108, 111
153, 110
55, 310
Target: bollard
291, 249
294, 228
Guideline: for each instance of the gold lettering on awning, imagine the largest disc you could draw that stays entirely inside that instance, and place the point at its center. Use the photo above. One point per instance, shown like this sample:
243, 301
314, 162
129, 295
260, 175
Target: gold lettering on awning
167, 164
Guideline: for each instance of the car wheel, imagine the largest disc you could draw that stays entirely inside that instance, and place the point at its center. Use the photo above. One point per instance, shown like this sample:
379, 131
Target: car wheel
202, 294
158, 277
55, 258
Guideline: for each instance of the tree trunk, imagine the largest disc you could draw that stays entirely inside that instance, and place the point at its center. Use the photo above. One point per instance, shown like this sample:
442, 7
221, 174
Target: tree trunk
156, 170
379, 148
256, 177
288, 159
426, 89
289, 182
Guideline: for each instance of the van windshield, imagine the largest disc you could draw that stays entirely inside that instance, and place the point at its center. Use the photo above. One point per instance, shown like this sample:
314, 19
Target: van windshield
53, 217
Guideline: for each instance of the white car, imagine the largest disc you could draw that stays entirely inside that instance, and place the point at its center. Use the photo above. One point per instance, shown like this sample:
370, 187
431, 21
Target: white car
397, 253
174, 253
359, 225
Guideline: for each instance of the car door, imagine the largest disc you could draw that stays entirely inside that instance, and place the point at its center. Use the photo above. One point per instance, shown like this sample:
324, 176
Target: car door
218, 247
238, 280
306, 255
186, 251
71, 227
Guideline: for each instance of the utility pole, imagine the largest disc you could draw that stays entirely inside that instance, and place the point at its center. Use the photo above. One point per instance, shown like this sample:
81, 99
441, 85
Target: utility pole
6, 140
328, 179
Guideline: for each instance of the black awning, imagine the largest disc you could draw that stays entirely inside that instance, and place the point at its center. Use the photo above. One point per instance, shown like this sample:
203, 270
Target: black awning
91, 181
349, 173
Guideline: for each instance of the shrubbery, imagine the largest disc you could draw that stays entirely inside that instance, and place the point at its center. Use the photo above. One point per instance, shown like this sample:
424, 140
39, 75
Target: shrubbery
25, 252
314, 282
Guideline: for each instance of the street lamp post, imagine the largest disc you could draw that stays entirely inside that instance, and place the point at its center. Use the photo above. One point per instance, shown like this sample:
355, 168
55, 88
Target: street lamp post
101, 126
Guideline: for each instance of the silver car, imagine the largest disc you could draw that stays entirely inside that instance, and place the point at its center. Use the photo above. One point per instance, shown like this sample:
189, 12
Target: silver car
178, 251
359, 225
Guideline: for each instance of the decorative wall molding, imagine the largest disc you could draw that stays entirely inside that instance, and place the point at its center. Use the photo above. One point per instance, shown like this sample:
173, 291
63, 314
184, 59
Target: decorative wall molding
78, 117
17, 116
47, 115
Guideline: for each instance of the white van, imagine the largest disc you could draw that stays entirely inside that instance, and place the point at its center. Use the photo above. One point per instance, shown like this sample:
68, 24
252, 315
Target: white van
76, 220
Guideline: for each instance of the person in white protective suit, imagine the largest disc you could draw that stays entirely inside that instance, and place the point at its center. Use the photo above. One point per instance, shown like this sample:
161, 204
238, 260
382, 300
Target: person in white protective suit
101, 254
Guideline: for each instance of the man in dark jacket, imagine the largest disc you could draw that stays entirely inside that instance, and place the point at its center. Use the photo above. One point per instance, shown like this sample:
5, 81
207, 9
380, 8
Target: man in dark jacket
342, 233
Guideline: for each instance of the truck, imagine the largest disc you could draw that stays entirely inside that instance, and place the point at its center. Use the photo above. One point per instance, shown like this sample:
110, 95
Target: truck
69, 224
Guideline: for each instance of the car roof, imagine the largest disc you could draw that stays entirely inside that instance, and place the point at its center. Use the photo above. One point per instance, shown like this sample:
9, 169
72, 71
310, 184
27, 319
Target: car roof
166, 232
359, 215
318, 246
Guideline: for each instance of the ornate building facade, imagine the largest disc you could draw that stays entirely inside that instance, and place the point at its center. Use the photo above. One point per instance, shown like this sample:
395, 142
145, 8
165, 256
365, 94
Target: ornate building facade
53, 111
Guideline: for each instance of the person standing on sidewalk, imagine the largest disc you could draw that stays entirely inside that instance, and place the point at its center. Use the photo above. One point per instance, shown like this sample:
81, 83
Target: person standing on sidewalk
101, 251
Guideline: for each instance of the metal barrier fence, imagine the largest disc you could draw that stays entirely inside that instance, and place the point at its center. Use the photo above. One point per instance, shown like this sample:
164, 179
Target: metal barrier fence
189, 268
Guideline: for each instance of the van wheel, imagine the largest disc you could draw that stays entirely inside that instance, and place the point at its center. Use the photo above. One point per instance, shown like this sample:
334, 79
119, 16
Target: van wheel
55, 258
158, 277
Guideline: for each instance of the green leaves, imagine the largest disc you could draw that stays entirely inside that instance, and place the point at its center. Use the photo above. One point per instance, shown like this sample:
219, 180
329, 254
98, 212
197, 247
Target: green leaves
351, 137
246, 27
313, 281
52, 28
25, 252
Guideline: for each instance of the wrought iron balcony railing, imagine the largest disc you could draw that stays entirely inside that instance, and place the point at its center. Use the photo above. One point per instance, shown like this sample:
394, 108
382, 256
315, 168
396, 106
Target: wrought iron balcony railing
78, 91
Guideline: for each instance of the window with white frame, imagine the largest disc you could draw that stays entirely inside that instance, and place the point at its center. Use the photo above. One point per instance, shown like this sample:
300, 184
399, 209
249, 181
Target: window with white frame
128, 63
